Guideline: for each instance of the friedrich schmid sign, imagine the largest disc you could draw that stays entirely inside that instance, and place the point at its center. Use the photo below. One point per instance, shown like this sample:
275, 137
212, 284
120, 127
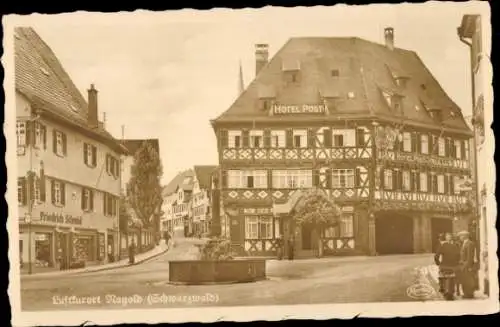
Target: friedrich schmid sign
281, 109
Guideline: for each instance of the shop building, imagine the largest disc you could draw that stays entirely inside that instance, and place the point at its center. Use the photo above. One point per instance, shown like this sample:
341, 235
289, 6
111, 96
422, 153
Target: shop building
472, 32
201, 201
365, 122
68, 164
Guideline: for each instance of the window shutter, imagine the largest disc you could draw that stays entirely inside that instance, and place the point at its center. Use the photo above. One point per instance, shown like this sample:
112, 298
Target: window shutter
105, 204
417, 176
453, 151
107, 163
412, 181
44, 136
360, 137
223, 134
53, 191
418, 140
447, 147
83, 199
30, 184
54, 141
452, 184
29, 132
224, 179
85, 145
94, 156
395, 179
446, 185
91, 200
430, 185
327, 138
63, 193
267, 138
400, 179
289, 138
311, 138
462, 146
24, 191
64, 144
430, 142
245, 138
396, 145
414, 142
315, 177
42, 185
357, 179
382, 178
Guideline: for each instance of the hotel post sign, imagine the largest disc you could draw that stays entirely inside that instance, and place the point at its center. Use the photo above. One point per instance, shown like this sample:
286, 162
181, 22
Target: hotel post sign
281, 109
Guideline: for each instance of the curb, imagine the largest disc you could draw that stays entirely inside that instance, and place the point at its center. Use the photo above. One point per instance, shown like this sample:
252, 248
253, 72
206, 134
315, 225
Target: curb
48, 275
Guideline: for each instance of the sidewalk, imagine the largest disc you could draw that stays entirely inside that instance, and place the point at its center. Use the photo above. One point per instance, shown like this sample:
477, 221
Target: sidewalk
139, 258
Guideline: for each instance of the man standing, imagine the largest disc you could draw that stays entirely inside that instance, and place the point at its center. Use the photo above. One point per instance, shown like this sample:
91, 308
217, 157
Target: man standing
447, 257
467, 265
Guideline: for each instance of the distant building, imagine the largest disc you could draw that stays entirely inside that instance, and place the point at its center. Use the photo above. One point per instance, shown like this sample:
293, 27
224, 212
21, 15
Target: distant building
147, 237
68, 164
177, 197
201, 200
365, 122
471, 32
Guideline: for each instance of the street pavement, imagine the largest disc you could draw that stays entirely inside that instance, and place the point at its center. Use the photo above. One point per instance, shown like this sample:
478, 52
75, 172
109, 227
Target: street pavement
400, 278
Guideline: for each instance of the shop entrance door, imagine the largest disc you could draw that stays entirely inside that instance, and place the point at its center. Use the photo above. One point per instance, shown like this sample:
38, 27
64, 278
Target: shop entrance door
63, 253
111, 248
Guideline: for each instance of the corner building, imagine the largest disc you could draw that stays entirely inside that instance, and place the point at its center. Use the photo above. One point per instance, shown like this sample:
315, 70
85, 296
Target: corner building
366, 122
68, 165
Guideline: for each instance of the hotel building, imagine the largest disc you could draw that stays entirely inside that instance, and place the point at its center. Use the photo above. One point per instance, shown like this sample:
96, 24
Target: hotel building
68, 164
367, 123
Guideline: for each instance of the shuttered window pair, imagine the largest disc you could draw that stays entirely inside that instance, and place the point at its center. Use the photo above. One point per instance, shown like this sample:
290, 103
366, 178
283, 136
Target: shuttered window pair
109, 205
58, 192
59, 143
90, 155
31, 133
87, 198
112, 166
32, 184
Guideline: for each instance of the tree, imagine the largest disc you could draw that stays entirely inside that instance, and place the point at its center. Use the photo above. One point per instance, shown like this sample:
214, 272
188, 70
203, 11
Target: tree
318, 210
144, 187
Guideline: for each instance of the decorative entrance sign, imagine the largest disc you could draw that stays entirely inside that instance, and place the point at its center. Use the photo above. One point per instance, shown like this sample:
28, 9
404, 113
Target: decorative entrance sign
60, 218
281, 109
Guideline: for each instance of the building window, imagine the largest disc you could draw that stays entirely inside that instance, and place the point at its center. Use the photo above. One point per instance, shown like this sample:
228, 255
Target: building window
388, 179
247, 179
21, 191
342, 178
89, 155
292, 178
458, 149
347, 222
258, 228
406, 181
109, 205
58, 193
21, 133
256, 139
440, 184
112, 166
234, 140
423, 182
87, 199
300, 138
40, 135
59, 143
278, 139
441, 147
344, 137
406, 142
424, 143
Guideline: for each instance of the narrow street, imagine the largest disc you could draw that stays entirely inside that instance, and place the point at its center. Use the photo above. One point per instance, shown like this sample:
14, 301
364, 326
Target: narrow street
309, 281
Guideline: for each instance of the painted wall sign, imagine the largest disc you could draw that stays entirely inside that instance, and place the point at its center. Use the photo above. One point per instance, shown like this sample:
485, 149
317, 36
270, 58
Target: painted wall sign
60, 218
280, 109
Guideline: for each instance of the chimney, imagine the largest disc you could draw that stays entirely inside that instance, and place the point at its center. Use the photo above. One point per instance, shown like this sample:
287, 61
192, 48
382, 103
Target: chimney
93, 120
389, 37
261, 57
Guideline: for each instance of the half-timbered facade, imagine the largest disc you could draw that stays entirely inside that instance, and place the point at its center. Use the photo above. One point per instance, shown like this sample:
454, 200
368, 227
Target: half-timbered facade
367, 123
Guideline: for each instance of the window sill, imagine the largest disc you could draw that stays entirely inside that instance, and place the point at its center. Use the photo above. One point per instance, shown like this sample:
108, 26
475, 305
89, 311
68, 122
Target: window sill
60, 155
90, 166
59, 205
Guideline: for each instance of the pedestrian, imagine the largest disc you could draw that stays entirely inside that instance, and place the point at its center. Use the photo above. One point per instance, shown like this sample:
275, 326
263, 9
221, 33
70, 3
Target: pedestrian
131, 253
447, 258
290, 249
467, 265
458, 287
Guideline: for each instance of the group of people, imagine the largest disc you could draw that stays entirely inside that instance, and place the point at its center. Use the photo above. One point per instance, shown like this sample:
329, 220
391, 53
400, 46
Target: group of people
456, 258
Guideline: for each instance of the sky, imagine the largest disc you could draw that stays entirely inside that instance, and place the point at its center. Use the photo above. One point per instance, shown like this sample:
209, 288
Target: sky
166, 74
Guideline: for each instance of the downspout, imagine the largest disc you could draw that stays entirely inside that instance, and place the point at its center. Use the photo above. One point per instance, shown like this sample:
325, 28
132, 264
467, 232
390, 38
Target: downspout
476, 188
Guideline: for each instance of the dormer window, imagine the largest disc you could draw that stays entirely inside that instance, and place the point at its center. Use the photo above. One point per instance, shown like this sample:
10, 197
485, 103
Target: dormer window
266, 94
256, 139
401, 81
394, 101
234, 140
291, 71
335, 73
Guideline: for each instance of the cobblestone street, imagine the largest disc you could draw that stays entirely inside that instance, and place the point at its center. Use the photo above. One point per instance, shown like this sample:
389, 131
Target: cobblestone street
308, 281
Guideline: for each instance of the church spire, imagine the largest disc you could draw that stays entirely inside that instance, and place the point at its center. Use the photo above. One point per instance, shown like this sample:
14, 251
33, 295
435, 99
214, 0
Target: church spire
241, 85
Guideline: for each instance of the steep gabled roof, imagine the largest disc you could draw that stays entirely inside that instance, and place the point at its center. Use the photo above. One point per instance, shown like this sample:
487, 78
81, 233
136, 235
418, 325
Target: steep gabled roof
364, 68
40, 77
134, 145
177, 181
204, 175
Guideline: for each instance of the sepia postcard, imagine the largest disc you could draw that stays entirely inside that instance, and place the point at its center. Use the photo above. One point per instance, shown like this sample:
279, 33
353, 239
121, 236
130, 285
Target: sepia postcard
253, 164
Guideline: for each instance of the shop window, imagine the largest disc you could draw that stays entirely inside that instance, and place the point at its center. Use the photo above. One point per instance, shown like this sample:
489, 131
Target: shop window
43, 249
258, 227
85, 248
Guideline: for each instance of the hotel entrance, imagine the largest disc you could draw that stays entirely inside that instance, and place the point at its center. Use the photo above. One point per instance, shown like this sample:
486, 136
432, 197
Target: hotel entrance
393, 233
